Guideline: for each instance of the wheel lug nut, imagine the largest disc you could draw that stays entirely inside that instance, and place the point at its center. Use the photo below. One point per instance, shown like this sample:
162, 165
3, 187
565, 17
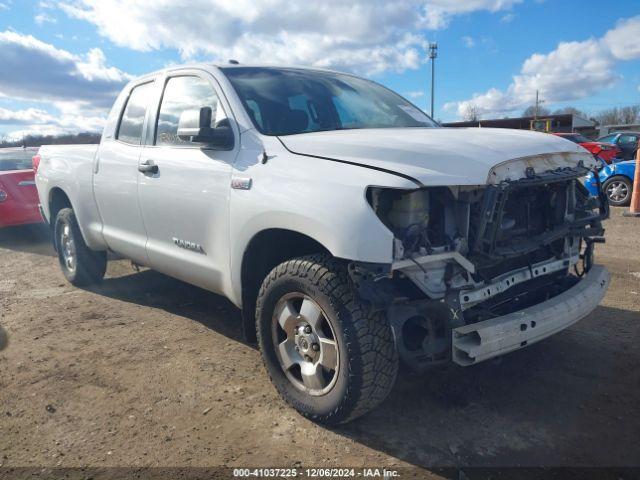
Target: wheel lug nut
307, 329
315, 347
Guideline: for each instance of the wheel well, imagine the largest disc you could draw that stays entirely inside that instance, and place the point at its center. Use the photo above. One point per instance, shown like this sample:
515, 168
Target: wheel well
619, 175
57, 201
266, 250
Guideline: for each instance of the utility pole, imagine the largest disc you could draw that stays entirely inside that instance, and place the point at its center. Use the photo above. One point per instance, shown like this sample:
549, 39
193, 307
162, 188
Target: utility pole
538, 102
433, 54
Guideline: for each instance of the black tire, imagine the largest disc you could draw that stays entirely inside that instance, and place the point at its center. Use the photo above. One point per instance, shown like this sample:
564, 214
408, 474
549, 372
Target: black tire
624, 185
88, 266
367, 359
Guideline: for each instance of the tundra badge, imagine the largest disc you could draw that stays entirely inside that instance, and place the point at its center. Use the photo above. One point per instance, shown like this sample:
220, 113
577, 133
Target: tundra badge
196, 247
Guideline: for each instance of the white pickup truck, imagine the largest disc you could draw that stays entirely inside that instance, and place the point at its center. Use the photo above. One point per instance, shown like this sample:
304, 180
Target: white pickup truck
353, 231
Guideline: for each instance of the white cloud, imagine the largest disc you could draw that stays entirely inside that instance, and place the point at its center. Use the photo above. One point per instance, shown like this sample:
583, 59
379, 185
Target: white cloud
507, 17
78, 88
624, 40
572, 71
43, 18
69, 117
469, 42
33, 116
38, 130
35, 70
415, 94
438, 13
361, 35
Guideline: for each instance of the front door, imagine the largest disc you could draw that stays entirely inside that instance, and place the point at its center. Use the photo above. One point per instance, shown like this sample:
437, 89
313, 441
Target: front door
629, 144
185, 197
116, 177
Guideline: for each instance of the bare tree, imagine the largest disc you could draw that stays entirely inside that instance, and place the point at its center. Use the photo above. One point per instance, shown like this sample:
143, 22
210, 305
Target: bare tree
471, 113
619, 116
629, 114
608, 116
37, 140
571, 110
531, 111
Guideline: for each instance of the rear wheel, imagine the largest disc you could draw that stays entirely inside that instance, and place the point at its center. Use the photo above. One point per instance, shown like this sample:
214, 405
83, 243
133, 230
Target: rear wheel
327, 354
618, 190
80, 265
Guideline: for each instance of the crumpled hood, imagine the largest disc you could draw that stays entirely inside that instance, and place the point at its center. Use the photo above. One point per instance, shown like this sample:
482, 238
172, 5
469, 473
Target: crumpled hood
444, 156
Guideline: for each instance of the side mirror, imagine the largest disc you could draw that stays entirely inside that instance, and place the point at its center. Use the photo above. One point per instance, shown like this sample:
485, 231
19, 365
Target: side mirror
195, 126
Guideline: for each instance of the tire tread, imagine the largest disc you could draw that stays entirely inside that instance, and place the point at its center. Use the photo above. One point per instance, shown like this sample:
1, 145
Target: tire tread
91, 265
373, 359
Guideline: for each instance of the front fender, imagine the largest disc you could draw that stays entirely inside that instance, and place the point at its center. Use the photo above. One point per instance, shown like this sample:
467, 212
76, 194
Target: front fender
321, 199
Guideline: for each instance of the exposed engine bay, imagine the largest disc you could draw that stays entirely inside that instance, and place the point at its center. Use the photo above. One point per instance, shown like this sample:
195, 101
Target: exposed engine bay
466, 254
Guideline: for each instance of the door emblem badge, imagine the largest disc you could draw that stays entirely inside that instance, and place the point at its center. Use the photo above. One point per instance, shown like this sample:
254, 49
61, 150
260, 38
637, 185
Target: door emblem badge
241, 183
194, 247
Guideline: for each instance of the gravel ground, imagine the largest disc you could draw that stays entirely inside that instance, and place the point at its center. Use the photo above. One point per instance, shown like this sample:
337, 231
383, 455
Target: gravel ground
148, 371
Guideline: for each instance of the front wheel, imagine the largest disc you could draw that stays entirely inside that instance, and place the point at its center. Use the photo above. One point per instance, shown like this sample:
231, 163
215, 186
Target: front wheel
80, 265
327, 354
618, 190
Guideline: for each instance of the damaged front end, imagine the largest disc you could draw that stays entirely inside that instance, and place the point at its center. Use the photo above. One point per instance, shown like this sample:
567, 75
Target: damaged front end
483, 270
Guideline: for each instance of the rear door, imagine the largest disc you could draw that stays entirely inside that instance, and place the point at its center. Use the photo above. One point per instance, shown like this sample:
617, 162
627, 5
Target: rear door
116, 177
185, 201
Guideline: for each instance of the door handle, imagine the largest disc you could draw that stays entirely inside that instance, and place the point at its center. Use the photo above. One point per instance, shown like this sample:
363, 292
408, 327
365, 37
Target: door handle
148, 166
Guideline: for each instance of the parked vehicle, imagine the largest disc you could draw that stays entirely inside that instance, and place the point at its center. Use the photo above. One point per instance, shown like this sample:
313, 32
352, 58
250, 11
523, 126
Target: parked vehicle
18, 194
616, 181
607, 151
337, 216
626, 141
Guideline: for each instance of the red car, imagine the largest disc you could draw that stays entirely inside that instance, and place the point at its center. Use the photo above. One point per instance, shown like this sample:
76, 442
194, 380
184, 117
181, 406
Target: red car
18, 194
606, 151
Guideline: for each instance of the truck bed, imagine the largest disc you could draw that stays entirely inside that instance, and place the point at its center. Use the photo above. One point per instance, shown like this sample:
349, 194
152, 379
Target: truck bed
70, 169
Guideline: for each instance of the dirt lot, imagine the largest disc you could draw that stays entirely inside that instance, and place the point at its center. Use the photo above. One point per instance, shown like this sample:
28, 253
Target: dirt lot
148, 371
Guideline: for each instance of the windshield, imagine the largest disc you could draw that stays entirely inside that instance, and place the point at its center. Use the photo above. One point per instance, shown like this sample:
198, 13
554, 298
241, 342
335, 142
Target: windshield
290, 101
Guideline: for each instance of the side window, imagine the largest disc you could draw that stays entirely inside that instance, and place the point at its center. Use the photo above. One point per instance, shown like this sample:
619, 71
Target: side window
182, 94
130, 128
628, 139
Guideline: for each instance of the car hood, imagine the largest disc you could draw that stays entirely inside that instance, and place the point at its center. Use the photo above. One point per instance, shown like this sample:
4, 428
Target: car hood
444, 156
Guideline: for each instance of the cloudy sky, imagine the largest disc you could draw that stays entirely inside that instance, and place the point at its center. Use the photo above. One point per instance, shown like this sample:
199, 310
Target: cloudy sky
63, 61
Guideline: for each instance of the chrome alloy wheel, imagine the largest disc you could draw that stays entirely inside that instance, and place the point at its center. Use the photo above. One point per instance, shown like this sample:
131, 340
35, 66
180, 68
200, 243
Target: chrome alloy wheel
617, 191
68, 247
305, 344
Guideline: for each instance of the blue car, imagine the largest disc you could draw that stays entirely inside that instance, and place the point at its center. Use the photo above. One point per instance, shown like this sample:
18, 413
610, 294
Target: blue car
616, 180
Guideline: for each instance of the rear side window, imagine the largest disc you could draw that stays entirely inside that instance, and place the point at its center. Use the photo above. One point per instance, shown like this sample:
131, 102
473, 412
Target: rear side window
130, 129
182, 94
628, 139
15, 160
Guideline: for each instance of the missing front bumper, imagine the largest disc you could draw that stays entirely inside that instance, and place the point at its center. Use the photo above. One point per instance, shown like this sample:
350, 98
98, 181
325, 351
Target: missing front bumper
497, 336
